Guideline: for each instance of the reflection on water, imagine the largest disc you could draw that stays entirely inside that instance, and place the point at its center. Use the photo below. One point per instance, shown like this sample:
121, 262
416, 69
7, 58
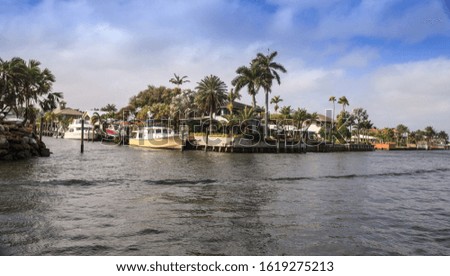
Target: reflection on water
130, 201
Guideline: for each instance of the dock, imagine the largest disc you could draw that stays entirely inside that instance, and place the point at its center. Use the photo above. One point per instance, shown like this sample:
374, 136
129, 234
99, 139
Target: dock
242, 145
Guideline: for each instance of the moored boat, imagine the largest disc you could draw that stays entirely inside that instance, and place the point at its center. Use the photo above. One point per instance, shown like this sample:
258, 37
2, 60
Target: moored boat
156, 137
74, 131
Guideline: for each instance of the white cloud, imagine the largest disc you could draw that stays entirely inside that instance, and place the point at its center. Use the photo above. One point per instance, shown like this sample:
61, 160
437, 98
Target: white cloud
358, 57
415, 94
107, 51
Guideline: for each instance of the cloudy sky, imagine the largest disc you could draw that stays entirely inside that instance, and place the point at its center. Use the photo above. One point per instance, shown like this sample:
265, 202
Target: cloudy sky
391, 57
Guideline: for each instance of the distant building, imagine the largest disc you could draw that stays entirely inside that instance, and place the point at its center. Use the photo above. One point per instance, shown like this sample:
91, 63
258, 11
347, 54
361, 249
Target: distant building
314, 126
68, 113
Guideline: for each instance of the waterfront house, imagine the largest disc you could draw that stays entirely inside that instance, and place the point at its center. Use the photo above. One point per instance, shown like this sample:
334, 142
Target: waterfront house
314, 126
67, 113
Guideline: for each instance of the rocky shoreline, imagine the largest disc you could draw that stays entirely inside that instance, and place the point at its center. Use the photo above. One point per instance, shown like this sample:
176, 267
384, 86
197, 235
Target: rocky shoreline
17, 143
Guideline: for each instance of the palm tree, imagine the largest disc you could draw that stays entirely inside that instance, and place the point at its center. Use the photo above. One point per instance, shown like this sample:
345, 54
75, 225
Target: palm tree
9, 83
177, 80
245, 117
232, 97
247, 76
333, 99
268, 71
276, 100
49, 118
110, 108
33, 85
303, 119
247, 114
51, 102
300, 116
211, 93
286, 111
343, 100
29, 89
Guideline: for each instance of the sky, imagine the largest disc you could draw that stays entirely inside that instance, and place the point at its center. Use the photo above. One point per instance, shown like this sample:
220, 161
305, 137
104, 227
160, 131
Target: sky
390, 57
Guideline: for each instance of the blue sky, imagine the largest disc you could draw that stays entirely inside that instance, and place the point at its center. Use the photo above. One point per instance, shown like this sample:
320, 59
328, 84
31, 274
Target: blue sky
391, 57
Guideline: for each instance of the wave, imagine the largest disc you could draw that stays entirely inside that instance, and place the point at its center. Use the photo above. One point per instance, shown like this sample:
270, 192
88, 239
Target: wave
79, 182
179, 181
352, 176
183, 181
150, 231
69, 182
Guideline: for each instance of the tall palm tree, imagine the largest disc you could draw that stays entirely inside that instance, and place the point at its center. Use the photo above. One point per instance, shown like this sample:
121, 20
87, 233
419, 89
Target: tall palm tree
247, 76
23, 86
344, 102
177, 80
211, 93
268, 71
276, 100
333, 99
35, 83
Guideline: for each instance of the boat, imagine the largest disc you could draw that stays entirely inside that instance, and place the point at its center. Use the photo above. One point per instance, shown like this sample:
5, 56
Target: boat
74, 131
157, 137
112, 131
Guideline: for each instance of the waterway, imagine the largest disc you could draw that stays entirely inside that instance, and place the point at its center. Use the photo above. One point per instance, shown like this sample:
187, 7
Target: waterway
119, 200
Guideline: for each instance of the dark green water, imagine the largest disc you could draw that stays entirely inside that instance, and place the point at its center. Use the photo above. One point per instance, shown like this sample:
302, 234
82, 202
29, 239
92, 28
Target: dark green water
129, 201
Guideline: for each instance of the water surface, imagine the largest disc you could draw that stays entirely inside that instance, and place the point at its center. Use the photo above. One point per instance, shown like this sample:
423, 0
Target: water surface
130, 201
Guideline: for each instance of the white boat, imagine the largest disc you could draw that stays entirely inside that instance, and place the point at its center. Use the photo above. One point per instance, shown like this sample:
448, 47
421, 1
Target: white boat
74, 131
156, 137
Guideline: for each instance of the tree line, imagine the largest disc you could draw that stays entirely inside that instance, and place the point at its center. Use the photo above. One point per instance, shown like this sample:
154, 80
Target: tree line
402, 135
211, 93
24, 86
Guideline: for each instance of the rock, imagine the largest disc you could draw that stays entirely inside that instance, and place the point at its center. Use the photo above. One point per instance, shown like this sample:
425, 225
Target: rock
25, 140
32, 141
35, 152
3, 152
44, 152
8, 157
23, 154
4, 144
20, 147
17, 142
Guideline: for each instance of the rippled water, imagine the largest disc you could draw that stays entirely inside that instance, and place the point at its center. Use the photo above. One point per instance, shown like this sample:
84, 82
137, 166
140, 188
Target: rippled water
129, 201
